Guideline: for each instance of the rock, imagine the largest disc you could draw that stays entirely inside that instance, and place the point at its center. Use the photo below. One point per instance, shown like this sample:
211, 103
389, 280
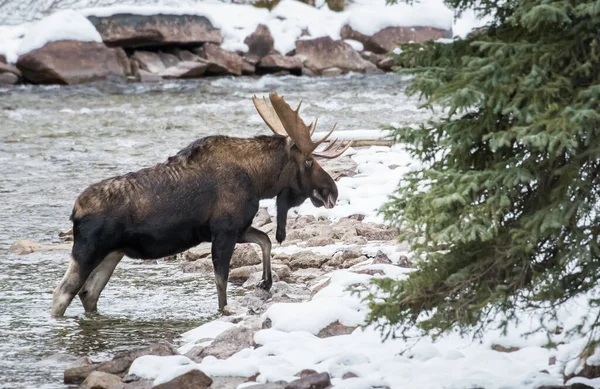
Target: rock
254, 278
203, 250
331, 72
262, 218
229, 342
7, 78
323, 53
372, 57
319, 287
276, 62
307, 259
227, 382
100, 380
72, 62
339, 167
502, 349
145, 76
319, 241
2, 58
78, 374
334, 329
358, 240
193, 379
315, 381
186, 55
128, 30
248, 69
260, 42
283, 289
244, 255
121, 362
301, 276
370, 272
270, 385
375, 233
203, 265
222, 62
349, 375
386, 64
267, 323
141, 384
403, 261
381, 258
149, 61
354, 261
385, 40
5, 68
186, 69
169, 60
306, 373
241, 274
22, 247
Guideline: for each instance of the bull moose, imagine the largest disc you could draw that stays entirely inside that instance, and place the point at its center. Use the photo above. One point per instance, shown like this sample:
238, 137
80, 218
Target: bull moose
208, 191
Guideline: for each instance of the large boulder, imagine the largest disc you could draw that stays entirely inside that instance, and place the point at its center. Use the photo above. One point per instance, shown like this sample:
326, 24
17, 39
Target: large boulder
273, 63
225, 345
100, 380
387, 39
193, 379
72, 62
128, 30
222, 61
323, 53
260, 42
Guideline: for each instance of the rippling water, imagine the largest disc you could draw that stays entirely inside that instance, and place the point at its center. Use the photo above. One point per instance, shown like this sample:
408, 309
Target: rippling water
55, 141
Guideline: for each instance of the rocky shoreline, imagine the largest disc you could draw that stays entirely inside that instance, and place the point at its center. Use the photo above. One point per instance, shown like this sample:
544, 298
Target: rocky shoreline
151, 48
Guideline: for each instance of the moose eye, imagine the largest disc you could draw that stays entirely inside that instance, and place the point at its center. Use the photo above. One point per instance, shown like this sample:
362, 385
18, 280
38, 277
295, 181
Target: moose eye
308, 163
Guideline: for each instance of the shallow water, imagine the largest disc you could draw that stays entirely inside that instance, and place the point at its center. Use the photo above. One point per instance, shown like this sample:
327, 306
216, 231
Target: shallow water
55, 141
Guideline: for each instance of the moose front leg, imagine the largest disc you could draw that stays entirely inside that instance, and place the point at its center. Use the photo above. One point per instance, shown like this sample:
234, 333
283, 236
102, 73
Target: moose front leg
286, 199
223, 244
252, 235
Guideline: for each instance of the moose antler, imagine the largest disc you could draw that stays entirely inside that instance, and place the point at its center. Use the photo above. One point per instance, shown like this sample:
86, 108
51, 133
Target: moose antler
283, 120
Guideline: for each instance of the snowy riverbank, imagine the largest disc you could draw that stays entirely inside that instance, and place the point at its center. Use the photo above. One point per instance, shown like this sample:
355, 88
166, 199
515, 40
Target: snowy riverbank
311, 323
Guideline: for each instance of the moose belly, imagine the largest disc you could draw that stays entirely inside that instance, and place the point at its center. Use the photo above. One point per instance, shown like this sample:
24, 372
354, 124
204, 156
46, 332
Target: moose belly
162, 242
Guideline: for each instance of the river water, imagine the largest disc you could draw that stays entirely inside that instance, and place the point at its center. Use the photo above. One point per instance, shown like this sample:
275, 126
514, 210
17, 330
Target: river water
55, 141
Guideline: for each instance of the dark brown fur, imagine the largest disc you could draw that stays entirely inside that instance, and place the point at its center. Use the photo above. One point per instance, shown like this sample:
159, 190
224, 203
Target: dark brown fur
209, 191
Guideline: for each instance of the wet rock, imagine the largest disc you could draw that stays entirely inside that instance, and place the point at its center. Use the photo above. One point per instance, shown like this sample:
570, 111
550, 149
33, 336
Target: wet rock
22, 247
186, 69
78, 374
403, 261
260, 42
375, 233
229, 342
381, 259
128, 30
100, 380
385, 40
193, 379
7, 78
307, 259
324, 53
262, 218
315, 381
222, 62
331, 72
276, 62
244, 255
335, 329
69, 62
121, 362
149, 61
203, 265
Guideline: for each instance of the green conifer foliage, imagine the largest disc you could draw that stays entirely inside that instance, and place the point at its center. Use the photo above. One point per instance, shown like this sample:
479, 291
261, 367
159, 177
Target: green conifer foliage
505, 211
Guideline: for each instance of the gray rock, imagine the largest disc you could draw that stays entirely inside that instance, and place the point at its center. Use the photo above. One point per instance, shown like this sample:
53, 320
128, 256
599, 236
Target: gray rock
307, 259
194, 379
78, 374
335, 329
128, 30
302, 276
222, 61
203, 265
70, 62
270, 385
229, 342
145, 76
186, 69
331, 72
100, 380
245, 254
260, 42
315, 381
386, 40
262, 218
376, 233
149, 61
256, 277
324, 53
227, 382
381, 259
403, 261
274, 63
318, 241
169, 60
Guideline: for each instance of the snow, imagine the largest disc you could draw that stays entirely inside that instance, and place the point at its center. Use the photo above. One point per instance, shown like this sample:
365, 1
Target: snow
62, 25
203, 334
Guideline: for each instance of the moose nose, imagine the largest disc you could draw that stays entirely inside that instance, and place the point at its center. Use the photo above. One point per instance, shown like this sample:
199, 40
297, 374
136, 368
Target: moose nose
330, 203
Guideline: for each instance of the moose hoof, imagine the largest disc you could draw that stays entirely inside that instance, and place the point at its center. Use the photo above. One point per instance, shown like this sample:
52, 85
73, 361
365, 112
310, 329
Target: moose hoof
266, 284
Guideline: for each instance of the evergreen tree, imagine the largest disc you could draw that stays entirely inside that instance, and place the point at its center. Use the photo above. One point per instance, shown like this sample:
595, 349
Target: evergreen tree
505, 211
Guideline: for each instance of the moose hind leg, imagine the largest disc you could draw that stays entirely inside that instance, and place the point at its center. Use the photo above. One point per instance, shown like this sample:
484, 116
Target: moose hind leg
222, 249
96, 282
71, 283
253, 235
